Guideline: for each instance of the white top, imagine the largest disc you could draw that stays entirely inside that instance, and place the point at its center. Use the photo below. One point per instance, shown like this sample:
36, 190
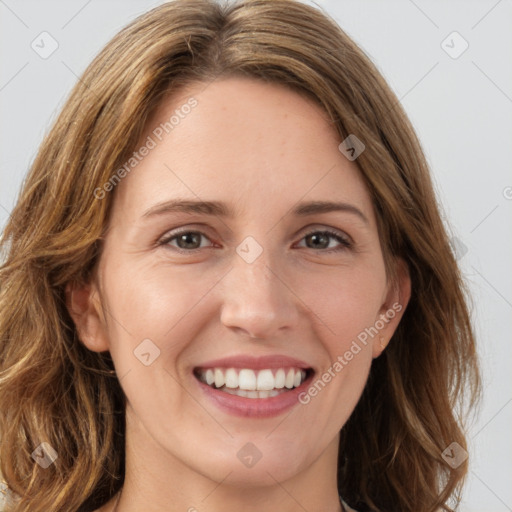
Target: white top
347, 508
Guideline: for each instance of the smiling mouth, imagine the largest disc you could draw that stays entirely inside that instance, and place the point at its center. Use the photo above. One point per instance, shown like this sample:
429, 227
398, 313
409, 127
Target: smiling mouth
249, 383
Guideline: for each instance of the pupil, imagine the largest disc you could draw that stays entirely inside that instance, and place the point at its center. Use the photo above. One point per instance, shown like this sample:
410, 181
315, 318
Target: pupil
317, 236
186, 238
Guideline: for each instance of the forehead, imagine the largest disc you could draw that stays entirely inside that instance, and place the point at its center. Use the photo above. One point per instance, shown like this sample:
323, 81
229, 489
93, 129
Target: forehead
256, 145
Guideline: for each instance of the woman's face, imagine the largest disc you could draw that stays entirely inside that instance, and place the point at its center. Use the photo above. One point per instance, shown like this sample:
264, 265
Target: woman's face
247, 288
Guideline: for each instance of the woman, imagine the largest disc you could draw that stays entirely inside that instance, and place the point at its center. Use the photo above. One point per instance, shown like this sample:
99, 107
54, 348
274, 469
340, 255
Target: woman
227, 284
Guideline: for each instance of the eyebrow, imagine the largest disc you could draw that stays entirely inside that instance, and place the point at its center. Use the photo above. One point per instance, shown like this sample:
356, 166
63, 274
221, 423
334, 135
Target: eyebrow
221, 209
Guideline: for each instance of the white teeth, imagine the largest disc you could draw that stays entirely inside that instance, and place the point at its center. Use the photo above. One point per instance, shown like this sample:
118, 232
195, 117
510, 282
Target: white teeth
252, 394
247, 380
280, 378
290, 379
266, 380
219, 378
253, 384
231, 378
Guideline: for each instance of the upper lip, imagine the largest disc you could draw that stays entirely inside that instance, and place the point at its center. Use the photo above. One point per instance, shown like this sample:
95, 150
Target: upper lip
256, 363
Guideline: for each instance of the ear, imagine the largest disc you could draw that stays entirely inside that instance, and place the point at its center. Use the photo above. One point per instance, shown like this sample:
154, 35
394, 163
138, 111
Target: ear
393, 308
84, 305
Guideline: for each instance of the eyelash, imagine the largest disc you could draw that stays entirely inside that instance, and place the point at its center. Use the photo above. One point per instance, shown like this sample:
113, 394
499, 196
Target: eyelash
345, 242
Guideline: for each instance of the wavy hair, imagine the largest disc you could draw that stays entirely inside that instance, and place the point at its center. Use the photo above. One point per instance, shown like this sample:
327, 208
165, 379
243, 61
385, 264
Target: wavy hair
54, 390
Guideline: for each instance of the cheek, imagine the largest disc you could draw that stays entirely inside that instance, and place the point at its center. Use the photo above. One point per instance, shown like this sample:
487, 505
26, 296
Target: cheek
347, 302
153, 317
156, 303
347, 305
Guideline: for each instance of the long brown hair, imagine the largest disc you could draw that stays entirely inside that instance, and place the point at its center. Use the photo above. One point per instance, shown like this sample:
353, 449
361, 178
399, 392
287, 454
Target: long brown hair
54, 390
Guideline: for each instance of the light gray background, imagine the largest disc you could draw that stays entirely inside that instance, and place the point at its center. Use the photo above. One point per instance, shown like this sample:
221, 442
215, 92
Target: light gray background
461, 109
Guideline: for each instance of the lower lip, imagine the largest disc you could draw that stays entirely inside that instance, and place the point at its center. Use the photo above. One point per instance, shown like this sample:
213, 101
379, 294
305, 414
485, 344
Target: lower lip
255, 407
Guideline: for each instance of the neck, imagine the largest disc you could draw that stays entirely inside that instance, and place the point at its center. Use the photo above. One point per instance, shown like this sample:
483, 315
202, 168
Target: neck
341, 507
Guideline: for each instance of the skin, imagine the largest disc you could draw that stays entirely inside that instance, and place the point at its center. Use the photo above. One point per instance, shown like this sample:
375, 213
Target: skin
260, 148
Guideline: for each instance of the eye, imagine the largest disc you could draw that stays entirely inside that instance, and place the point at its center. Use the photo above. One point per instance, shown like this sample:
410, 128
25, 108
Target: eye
320, 239
186, 241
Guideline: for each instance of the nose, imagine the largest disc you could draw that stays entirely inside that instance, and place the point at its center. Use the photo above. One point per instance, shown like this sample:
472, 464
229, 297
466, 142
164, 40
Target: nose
257, 299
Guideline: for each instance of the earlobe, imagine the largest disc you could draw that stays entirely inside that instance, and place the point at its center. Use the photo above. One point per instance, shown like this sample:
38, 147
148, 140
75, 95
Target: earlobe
84, 306
393, 308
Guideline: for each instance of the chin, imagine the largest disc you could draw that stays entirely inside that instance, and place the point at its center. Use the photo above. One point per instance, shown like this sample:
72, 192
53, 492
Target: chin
253, 467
